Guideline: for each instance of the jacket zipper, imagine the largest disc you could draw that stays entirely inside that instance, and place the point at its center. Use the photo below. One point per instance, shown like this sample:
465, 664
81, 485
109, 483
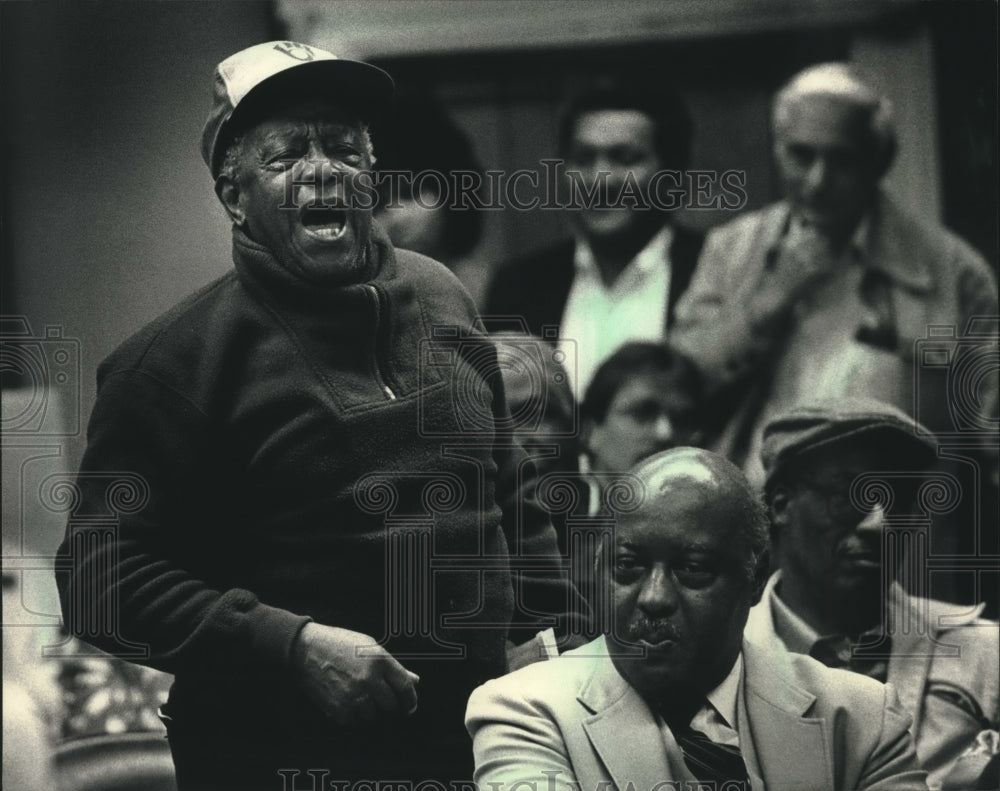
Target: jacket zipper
376, 369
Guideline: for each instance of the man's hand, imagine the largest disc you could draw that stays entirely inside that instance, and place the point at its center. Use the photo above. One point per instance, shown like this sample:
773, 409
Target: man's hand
805, 258
350, 676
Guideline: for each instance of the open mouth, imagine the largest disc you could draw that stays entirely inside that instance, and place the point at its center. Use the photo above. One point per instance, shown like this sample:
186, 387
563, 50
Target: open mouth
326, 222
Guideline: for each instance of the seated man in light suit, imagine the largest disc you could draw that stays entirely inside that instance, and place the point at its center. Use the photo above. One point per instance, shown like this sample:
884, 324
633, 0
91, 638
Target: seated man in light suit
673, 693
835, 589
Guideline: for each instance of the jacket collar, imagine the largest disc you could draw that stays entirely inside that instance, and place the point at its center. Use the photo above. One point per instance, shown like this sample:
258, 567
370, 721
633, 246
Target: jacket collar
638, 760
260, 271
887, 247
916, 624
778, 738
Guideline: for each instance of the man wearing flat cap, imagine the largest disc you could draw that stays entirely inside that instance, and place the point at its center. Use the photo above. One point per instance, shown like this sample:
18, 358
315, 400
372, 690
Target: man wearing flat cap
272, 425
842, 481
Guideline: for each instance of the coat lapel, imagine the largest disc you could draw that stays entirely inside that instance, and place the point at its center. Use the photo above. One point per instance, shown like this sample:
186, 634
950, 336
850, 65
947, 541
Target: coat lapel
784, 746
915, 625
912, 650
622, 729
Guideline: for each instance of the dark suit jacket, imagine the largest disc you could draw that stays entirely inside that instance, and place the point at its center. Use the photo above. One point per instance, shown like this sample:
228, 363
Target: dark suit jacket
537, 285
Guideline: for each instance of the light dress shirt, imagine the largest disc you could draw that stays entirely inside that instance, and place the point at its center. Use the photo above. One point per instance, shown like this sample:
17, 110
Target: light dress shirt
598, 319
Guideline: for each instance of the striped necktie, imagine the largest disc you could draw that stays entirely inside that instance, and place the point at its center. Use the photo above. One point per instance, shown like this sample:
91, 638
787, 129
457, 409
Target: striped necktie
712, 762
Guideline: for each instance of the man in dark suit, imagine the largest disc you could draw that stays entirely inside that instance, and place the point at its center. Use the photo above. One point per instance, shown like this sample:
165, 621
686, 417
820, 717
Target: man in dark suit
619, 277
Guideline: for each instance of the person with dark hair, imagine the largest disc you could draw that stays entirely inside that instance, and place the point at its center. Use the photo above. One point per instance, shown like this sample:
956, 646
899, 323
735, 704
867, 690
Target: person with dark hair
842, 482
423, 159
620, 276
672, 695
278, 479
672, 128
643, 399
541, 404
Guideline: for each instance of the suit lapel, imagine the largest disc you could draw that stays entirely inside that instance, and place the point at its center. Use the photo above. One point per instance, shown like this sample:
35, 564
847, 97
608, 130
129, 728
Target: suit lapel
779, 742
912, 650
558, 273
623, 730
915, 625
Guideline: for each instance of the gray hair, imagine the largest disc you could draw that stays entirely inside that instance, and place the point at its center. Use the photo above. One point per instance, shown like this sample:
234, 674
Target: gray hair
840, 81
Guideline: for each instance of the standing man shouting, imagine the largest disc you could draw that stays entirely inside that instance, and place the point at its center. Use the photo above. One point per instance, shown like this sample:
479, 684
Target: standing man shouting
272, 424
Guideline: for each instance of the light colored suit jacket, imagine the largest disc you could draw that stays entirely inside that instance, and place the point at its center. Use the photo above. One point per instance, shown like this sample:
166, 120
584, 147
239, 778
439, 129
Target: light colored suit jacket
945, 666
575, 723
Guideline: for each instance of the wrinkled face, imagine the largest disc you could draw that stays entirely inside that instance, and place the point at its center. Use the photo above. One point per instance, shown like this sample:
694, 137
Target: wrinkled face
649, 413
827, 160
829, 543
681, 590
609, 149
301, 191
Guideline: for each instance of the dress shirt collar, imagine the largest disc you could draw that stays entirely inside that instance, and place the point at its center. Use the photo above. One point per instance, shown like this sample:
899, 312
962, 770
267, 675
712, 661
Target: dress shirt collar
795, 633
718, 717
723, 698
648, 259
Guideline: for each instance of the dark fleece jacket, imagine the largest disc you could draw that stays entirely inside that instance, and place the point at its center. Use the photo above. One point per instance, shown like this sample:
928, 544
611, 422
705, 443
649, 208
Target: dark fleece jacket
275, 434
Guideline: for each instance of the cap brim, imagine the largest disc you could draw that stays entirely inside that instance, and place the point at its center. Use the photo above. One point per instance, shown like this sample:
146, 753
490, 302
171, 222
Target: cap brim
360, 87
913, 452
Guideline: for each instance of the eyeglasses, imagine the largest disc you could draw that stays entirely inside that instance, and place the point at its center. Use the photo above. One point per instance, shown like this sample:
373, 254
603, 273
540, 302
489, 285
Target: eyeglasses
843, 498
835, 497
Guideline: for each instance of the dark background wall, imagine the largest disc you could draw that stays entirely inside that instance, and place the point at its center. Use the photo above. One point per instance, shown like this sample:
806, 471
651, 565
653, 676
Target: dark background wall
108, 213
109, 216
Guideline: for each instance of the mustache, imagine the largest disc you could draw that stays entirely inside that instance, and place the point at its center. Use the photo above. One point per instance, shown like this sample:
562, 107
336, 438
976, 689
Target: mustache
854, 545
652, 630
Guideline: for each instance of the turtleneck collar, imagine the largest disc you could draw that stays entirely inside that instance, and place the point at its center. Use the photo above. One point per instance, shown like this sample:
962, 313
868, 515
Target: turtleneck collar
260, 271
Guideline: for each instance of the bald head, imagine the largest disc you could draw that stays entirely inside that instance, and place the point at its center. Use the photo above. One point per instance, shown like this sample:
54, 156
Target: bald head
700, 476
685, 574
